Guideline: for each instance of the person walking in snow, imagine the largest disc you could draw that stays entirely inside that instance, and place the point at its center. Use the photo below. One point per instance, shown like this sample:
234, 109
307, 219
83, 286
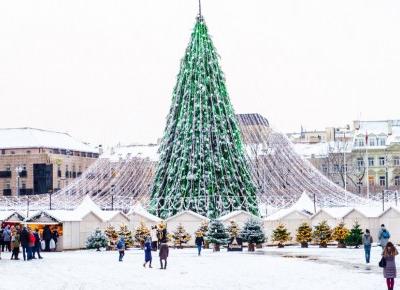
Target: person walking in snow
31, 244
383, 236
199, 241
121, 248
367, 242
55, 236
389, 271
147, 252
164, 251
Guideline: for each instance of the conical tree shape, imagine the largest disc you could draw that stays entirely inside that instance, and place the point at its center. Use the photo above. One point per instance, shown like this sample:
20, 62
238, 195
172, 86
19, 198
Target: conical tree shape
202, 166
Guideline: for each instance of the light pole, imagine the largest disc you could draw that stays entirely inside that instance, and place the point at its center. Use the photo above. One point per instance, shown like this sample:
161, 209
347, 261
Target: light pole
18, 170
50, 193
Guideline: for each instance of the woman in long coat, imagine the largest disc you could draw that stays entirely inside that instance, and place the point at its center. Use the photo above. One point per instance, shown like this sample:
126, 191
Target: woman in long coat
164, 250
147, 252
389, 271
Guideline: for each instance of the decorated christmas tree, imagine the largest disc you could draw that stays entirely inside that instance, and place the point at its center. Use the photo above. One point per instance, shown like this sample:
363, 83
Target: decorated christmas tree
339, 234
97, 240
202, 166
281, 235
304, 235
217, 234
180, 236
233, 230
127, 234
322, 234
354, 239
112, 237
141, 234
252, 233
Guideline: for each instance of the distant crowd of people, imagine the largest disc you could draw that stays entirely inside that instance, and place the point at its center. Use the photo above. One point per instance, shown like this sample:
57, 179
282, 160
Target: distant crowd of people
14, 238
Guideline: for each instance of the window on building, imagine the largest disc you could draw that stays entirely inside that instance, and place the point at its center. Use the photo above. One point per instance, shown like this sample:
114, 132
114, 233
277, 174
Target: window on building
28, 152
397, 180
23, 185
335, 168
382, 180
360, 163
382, 161
58, 184
359, 142
371, 180
3, 151
12, 152
7, 185
23, 166
396, 161
370, 161
382, 141
7, 167
372, 142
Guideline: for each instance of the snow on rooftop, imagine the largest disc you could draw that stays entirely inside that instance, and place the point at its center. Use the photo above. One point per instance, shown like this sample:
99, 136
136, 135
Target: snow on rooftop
373, 127
140, 210
189, 212
87, 205
304, 203
14, 138
336, 212
233, 214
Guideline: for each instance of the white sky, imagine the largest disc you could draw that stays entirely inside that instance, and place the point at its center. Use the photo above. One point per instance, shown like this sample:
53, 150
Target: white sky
104, 70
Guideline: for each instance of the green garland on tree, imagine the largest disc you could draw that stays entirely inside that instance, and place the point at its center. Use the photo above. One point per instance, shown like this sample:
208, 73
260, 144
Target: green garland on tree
202, 166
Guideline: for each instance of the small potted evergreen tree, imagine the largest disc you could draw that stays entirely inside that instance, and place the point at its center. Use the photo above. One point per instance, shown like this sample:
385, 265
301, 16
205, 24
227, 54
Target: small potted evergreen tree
304, 235
354, 239
252, 233
180, 236
127, 234
281, 235
112, 237
217, 234
322, 234
97, 240
339, 234
141, 233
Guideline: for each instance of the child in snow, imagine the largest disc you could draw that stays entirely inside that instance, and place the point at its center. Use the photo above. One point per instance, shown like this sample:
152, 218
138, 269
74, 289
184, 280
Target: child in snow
147, 252
121, 248
389, 271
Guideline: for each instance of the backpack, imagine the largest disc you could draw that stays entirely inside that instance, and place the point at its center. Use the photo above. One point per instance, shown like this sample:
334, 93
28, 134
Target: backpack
120, 245
385, 234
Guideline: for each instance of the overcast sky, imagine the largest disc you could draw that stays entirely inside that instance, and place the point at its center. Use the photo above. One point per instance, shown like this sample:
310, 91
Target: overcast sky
104, 70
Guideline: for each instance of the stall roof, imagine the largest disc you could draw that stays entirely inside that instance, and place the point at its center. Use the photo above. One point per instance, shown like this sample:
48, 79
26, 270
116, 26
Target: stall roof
140, 210
236, 213
6, 214
188, 212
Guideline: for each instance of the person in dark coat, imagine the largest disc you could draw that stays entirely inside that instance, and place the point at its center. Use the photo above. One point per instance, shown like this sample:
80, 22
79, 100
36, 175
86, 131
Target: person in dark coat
36, 248
47, 237
24, 239
2, 244
147, 252
199, 241
389, 271
164, 251
121, 248
55, 236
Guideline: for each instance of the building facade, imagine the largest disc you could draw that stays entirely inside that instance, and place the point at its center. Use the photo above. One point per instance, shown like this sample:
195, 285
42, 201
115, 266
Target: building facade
364, 159
34, 161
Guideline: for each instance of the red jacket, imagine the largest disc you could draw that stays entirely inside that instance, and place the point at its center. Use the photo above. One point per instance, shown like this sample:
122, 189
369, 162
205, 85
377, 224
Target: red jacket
31, 240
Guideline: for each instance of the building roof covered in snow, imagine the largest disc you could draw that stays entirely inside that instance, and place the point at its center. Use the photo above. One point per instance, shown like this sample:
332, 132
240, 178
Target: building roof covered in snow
15, 138
140, 210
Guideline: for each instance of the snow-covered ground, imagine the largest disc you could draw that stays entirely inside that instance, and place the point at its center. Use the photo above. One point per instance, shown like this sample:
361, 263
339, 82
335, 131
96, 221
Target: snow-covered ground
271, 268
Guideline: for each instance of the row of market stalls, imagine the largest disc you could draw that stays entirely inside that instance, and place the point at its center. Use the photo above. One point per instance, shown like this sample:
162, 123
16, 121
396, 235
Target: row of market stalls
74, 226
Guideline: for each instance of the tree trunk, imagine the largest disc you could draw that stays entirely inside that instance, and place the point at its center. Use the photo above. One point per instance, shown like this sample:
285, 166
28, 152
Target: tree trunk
304, 245
251, 247
259, 246
206, 245
341, 245
280, 245
98, 249
216, 248
323, 245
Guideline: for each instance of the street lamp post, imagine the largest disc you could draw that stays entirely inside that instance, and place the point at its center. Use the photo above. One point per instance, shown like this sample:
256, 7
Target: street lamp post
50, 193
18, 170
